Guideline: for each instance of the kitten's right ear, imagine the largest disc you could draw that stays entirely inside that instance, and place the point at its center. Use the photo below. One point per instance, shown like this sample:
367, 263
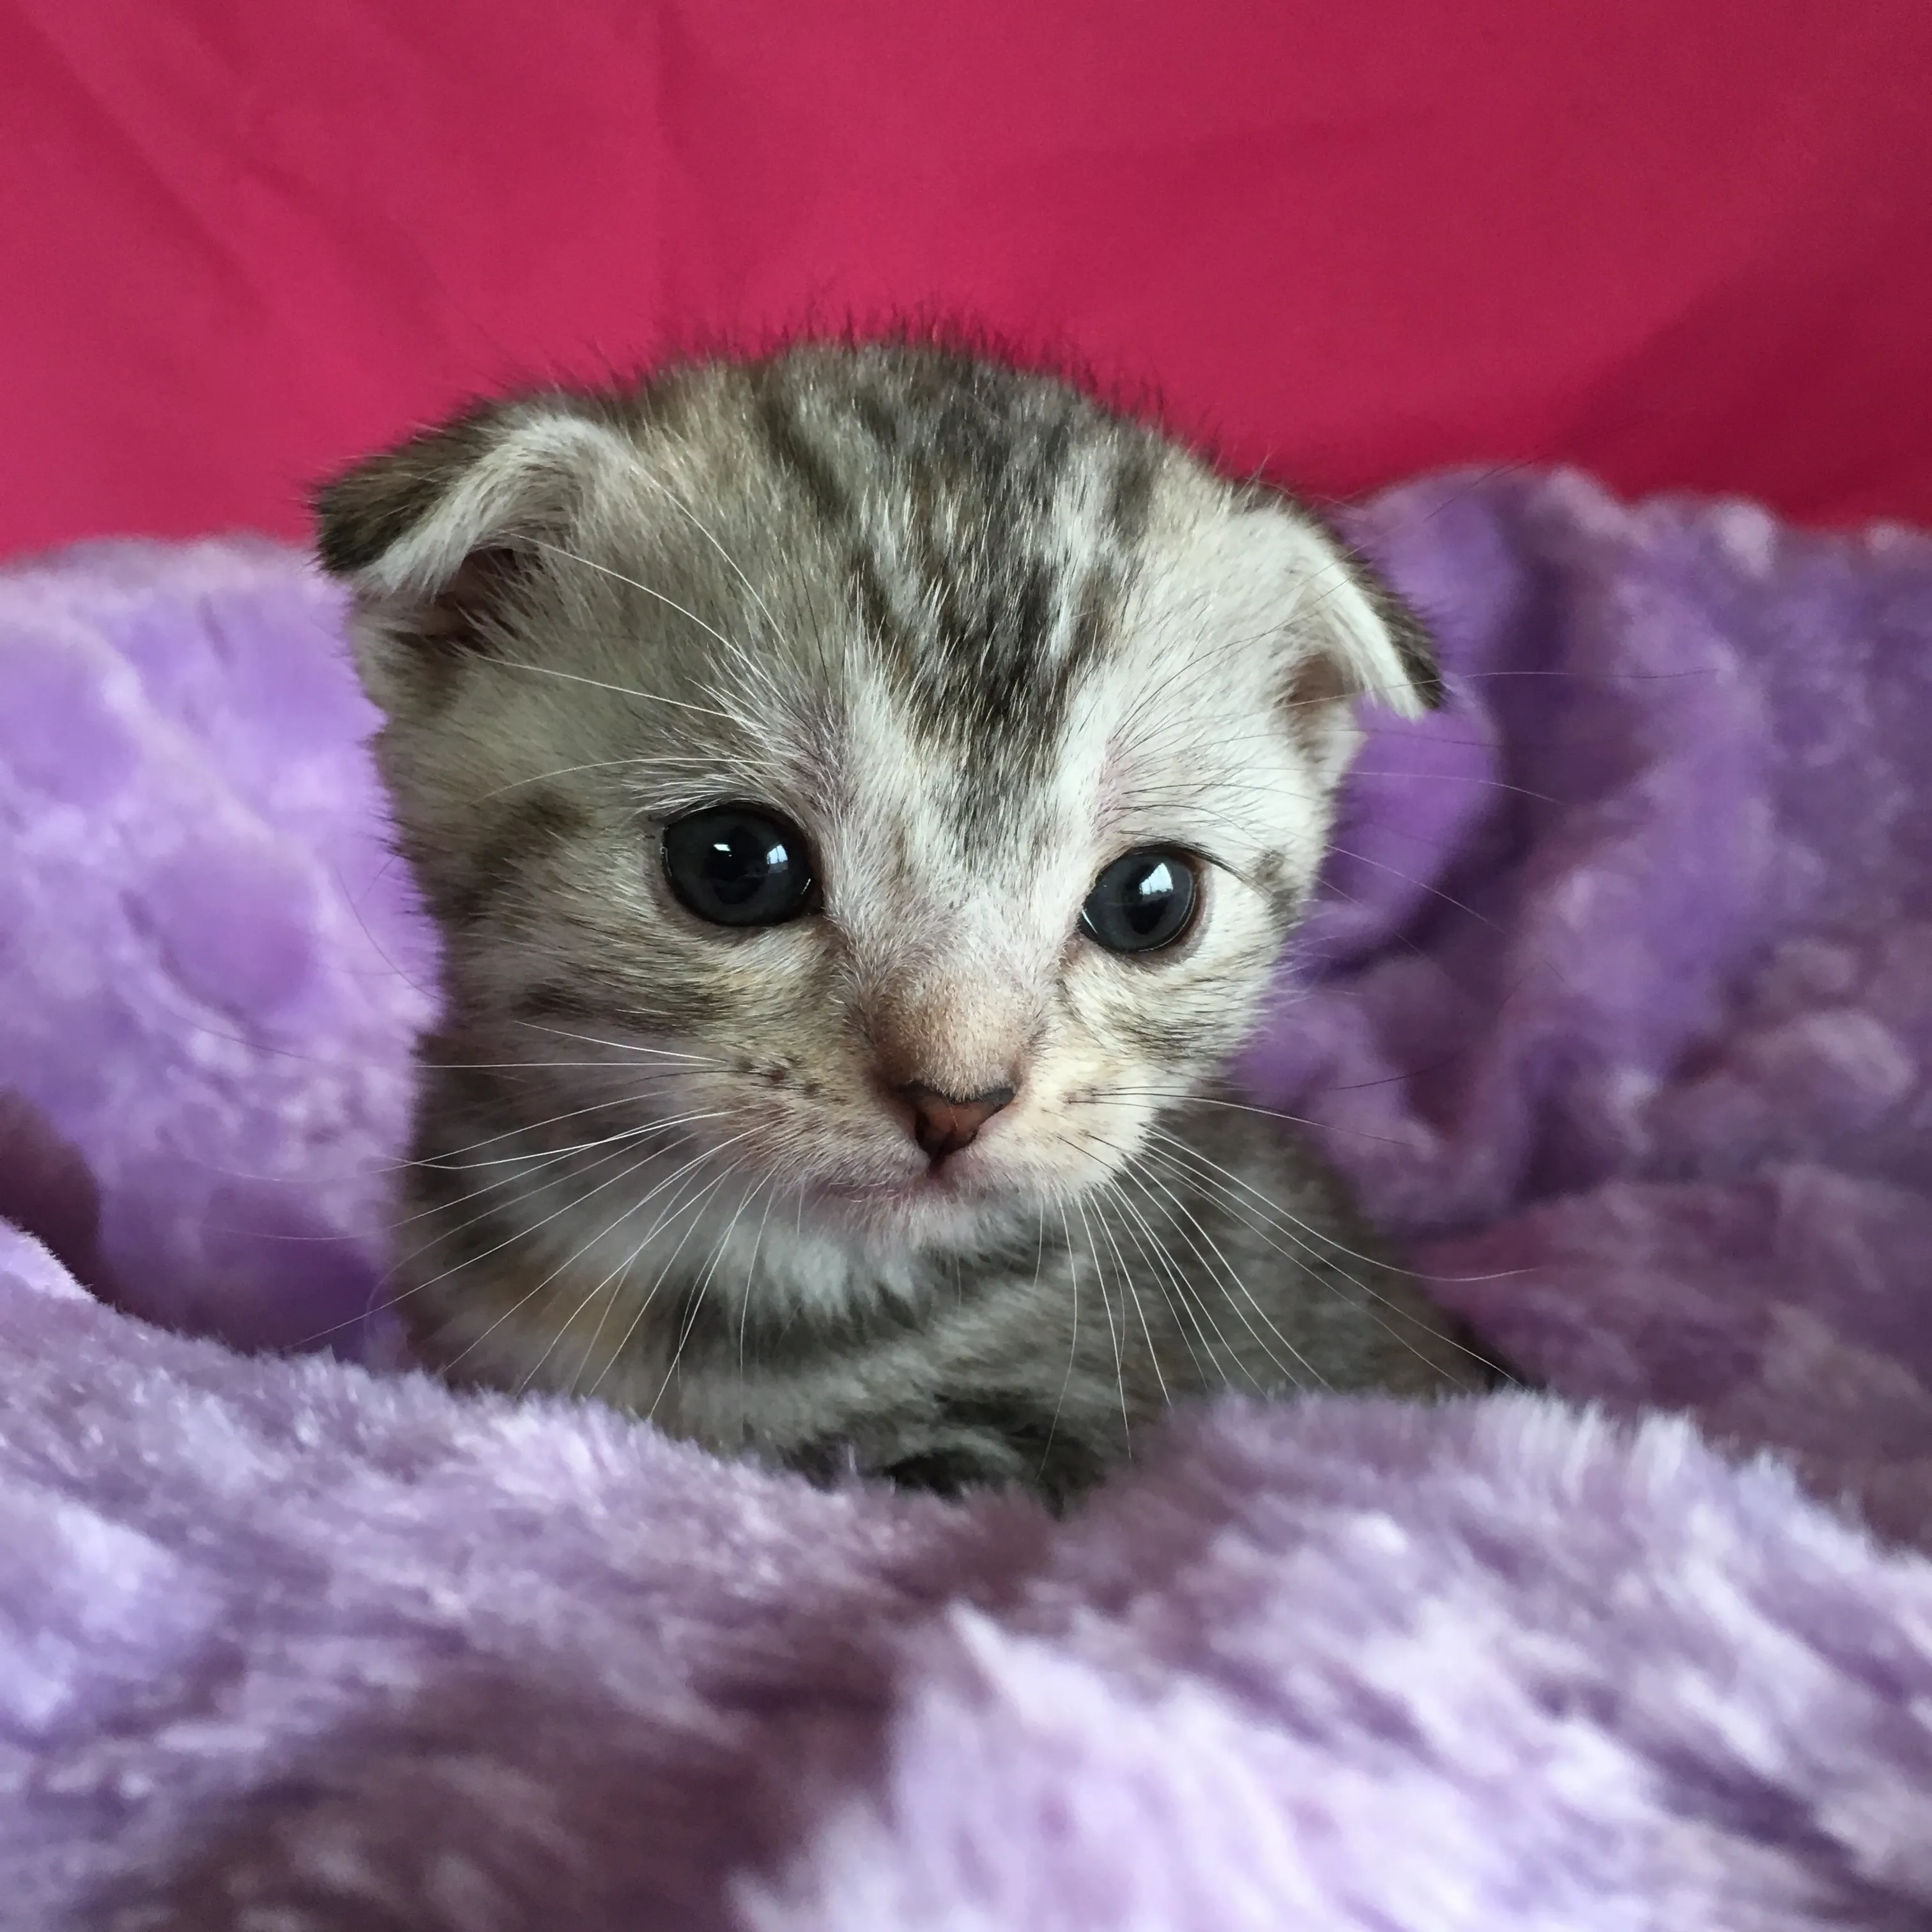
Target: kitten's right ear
430, 535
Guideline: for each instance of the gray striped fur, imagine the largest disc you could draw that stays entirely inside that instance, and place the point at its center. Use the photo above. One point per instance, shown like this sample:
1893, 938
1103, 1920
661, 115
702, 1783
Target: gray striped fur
975, 634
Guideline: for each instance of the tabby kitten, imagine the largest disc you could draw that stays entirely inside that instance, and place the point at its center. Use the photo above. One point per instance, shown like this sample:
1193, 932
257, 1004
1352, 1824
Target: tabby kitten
864, 794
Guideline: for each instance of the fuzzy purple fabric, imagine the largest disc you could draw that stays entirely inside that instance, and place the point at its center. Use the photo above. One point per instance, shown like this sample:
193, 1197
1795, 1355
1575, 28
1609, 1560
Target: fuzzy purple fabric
1619, 1008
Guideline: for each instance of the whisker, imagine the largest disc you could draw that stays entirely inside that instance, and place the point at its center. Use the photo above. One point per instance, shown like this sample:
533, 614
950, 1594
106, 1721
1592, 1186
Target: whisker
624, 1045
1149, 1181
531, 1126
1242, 1107
1133, 1295
1182, 1312
1421, 885
1240, 1289
1227, 1179
616, 1279
308, 1178
1198, 1312
598, 684
703, 1284
567, 771
1073, 1346
515, 1235
1358, 771
1113, 1333
539, 1164
1296, 1229
670, 603
643, 1307
751, 1274
583, 1247
704, 530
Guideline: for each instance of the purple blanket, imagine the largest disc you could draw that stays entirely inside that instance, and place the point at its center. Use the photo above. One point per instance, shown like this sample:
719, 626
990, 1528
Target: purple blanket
1618, 1010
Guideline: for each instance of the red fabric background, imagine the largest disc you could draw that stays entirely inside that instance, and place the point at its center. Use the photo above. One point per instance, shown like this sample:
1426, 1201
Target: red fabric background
1679, 241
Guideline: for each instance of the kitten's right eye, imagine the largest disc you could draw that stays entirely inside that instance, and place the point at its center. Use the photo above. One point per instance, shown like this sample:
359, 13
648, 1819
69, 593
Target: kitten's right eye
1141, 902
739, 865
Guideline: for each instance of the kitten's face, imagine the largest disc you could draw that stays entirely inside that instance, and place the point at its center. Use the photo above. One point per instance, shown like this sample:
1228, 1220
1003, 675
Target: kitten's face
898, 771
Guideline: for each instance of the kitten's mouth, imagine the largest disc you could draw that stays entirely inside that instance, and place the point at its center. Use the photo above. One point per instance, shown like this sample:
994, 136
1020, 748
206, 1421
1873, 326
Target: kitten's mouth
941, 1184
939, 1180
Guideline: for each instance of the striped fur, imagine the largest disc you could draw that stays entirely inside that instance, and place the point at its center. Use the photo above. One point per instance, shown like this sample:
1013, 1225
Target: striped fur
976, 636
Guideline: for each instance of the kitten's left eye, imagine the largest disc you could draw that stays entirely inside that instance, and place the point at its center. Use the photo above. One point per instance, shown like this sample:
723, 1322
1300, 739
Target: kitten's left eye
1142, 901
739, 865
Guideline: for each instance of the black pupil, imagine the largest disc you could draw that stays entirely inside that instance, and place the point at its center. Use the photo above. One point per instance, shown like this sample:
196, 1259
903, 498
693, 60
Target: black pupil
1140, 902
736, 867
738, 862
1150, 898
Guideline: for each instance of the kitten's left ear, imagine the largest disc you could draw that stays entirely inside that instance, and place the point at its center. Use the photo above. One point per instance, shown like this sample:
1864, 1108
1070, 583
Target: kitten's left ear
433, 536
1342, 610
402, 524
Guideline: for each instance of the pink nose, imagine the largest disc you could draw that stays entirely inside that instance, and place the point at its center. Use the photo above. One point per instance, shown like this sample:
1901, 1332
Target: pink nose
943, 1123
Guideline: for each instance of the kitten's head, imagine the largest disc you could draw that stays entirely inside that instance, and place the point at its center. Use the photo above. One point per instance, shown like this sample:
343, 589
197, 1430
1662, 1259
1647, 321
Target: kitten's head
898, 768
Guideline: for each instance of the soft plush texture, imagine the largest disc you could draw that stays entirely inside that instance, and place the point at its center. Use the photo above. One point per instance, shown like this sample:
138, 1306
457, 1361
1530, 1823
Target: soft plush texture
1618, 1011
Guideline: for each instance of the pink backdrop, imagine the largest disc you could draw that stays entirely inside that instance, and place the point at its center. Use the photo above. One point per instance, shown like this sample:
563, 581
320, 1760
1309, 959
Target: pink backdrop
1680, 241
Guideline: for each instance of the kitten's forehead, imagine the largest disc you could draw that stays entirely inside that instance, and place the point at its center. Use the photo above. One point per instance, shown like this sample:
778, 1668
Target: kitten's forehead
1012, 558
990, 533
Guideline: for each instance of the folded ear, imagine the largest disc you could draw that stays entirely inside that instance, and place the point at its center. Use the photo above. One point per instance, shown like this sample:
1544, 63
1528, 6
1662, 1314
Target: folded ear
1366, 641
433, 535
401, 523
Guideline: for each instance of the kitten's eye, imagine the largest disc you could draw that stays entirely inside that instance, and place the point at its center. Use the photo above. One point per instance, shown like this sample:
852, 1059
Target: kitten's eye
1142, 901
739, 865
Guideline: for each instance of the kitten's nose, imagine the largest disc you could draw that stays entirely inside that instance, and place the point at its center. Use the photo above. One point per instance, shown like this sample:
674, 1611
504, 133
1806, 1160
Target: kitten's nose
943, 1123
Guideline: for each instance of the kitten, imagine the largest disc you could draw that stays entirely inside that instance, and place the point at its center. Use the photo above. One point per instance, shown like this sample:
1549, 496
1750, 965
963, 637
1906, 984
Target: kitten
864, 794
